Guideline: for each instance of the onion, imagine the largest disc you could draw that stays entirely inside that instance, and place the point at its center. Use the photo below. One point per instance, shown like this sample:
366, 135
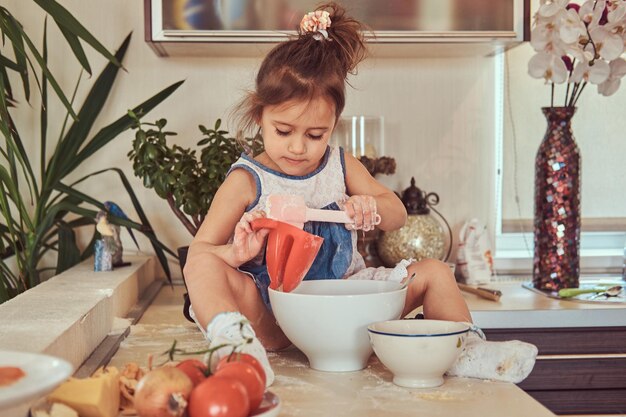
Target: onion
162, 392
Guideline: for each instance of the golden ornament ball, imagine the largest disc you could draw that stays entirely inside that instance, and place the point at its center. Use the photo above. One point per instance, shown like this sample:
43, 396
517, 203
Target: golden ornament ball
421, 237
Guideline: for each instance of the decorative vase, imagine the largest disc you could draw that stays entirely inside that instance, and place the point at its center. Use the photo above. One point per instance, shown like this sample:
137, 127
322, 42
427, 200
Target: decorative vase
423, 236
556, 263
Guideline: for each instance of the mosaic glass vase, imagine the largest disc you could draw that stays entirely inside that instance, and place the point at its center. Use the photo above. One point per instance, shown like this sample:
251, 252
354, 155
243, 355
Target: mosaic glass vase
556, 262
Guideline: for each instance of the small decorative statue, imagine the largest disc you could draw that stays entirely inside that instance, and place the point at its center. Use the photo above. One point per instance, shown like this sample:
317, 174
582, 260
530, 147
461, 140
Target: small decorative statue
108, 250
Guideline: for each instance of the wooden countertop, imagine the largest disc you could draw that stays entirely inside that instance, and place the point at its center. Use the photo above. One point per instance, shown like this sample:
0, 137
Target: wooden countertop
306, 392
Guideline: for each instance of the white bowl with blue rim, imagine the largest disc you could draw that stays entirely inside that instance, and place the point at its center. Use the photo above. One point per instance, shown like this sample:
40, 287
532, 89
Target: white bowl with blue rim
418, 352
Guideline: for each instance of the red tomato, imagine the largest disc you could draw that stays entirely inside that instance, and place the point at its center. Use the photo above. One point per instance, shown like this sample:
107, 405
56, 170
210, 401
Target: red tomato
244, 372
219, 396
244, 357
195, 369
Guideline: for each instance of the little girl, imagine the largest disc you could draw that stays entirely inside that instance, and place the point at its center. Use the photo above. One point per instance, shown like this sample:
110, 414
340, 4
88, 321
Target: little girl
299, 97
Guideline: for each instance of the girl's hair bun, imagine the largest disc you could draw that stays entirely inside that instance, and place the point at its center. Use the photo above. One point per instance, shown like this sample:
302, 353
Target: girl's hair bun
341, 34
313, 64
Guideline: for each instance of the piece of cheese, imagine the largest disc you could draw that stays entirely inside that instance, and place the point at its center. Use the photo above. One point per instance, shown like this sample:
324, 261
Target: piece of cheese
97, 396
62, 410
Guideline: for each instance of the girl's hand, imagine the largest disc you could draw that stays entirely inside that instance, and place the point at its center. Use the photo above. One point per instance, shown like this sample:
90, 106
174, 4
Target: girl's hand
247, 243
362, 208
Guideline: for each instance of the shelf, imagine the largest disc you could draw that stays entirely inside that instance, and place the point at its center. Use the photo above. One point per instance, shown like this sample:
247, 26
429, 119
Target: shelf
434, 28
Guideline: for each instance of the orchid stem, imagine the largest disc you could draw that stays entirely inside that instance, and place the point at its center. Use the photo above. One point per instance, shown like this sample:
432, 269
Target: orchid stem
579, 93
574, 91
552, 95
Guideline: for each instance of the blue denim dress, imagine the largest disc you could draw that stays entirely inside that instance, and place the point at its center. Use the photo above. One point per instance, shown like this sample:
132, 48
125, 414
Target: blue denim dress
321, 189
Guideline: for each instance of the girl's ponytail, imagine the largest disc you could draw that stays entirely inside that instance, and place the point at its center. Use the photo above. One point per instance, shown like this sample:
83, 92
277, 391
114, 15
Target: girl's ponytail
316, 63
337, 32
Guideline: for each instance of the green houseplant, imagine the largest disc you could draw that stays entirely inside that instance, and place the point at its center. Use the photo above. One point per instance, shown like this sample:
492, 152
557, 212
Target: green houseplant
186, 179
40, 211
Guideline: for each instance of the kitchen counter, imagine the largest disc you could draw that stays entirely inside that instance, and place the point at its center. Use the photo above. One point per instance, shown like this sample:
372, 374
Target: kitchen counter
523, 308
310, 393
582, 346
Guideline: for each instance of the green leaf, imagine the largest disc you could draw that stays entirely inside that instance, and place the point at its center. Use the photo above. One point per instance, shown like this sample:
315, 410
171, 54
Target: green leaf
43, 118
63, 18
18, 50
63, 159
7, 63
16, 34
12, 193
77, 48
109, 132
68, 248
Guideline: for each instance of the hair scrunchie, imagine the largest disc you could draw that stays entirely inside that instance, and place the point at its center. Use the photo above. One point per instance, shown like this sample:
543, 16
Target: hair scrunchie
316, 22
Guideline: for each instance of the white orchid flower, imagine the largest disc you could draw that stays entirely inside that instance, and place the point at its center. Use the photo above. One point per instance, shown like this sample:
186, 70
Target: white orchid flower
593, 36
612, 83
571, 27
548, 67
617, 19
591, 11
617, 11
609, 45
549, 9
595, 74
544, 38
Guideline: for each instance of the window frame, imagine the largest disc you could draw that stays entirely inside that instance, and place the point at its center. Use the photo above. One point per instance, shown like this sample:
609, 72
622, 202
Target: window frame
601, 252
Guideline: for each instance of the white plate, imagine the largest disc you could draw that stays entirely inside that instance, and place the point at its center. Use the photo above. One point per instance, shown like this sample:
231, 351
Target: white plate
43, 374
270, 406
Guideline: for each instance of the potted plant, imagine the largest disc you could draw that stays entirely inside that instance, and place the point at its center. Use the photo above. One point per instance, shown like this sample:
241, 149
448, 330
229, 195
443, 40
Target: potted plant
39, 209
186, 179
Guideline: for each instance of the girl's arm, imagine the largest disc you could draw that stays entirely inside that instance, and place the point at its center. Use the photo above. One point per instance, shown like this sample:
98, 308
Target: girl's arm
360, 183
226, 216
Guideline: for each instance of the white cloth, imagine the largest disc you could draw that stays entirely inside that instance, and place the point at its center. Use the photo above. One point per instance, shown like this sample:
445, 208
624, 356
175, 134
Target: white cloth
395, 274
510, 361
233, 329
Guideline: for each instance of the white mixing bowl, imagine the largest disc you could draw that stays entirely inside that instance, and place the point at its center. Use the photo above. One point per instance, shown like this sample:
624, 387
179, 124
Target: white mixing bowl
327, 319
418, 352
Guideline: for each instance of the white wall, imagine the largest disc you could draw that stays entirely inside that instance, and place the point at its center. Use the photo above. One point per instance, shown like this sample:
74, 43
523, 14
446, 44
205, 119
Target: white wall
438, 112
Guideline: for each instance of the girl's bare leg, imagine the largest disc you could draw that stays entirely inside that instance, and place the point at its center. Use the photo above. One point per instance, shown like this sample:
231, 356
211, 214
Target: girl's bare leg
225, 289
435, 288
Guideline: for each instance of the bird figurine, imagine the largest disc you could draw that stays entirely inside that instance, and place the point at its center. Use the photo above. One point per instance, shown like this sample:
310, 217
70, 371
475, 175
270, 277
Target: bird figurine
105, 246
116, 211
109, 249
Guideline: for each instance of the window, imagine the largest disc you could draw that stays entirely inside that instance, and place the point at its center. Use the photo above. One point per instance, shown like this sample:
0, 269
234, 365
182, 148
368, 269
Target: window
599, 128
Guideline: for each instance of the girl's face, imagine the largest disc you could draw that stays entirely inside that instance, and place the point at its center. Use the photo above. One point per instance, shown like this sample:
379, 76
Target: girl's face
296, 133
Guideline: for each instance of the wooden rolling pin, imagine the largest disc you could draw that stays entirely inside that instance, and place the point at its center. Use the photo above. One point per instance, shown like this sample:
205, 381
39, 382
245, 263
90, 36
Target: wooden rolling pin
489, 294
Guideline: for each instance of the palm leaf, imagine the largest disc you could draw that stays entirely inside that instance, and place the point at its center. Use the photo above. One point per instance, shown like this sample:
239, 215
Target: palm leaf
111, 131
68, 248
77, 133
18, 37
4, 79
7, 63
9, 283
43, 118
19, 52
13, 193
76, 47
63, 18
